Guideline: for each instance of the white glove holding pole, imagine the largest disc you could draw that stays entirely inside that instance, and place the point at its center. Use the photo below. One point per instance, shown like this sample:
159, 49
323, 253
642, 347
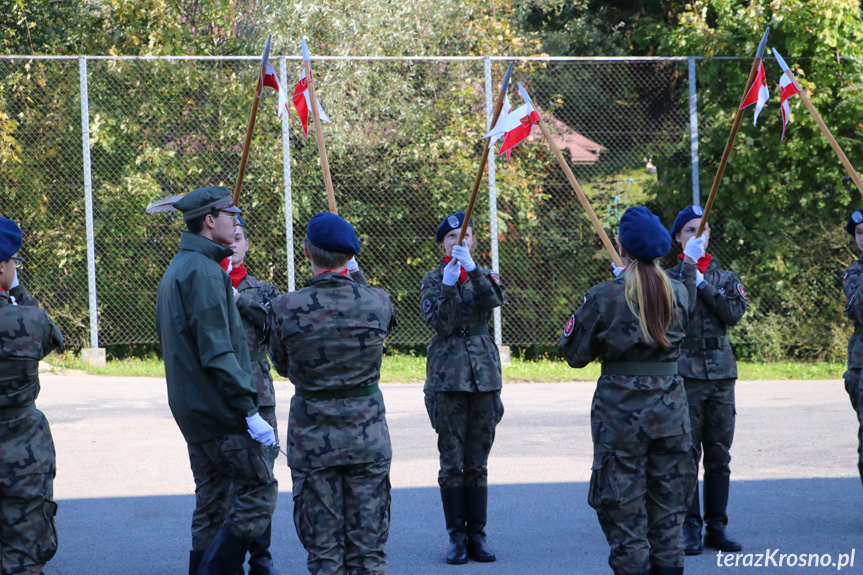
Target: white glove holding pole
462, 254
260, 430
617, 269
695, 248
451, 272
353, 265
14, 280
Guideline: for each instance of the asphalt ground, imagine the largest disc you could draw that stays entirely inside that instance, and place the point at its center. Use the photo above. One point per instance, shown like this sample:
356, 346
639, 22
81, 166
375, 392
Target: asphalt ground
125, 490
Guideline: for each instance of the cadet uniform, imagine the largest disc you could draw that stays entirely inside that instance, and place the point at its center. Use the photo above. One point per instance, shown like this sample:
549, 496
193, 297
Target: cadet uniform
643, 465
462, 394
212, 396
709, 372
852, 285
327, 338
28, 538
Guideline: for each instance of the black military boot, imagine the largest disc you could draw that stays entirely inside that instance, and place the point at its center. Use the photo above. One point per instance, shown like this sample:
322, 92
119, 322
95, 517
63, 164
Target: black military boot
477, 508
195, 560
454, 514
225, 555
260, 559
692, 544
666, 570
715, 502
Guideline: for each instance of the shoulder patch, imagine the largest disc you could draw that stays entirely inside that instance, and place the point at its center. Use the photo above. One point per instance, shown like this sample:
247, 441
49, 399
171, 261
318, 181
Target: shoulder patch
584, 301
570, 323
495, 278
422, 287
426, 305
845, 277
740, 291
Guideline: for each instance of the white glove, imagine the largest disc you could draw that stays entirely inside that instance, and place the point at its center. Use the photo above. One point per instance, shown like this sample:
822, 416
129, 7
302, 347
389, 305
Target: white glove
695, 248
617, 269
451, 272
260, 430
462, 254
699, 278
236, 294
353, 265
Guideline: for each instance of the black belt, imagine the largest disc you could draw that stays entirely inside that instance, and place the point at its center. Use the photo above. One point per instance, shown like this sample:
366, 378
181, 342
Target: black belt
705, 343
639, 368
257, 355
7, 413
469, 331
339, 393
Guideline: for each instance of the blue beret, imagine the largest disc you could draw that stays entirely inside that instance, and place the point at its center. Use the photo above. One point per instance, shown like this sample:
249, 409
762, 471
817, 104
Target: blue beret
449, 223
642, 235
332, 233
686, 214
855, 218
240, 221
10, 239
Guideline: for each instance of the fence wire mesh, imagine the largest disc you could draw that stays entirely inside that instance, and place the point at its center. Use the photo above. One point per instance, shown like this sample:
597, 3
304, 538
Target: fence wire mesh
403, 150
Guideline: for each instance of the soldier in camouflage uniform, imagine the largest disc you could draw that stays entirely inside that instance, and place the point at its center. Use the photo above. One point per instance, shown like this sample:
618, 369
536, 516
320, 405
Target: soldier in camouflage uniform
463, 384
28, 538
643, 466
327, 338
210, 389
709, 372
253, 298
852, 285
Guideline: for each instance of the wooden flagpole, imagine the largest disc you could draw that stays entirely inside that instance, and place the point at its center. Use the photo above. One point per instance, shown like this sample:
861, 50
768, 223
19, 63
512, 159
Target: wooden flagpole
251, 127
824, 129
319, 134
485, 149
732, 136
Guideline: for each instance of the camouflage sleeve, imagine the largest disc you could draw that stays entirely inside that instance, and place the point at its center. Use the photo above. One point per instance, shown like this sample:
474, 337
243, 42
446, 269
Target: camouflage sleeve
278, 354
440, 306
577, 342
687, 277
52, 338
359, 277
728, 302
488, 289
22, 297
394, 322
252, 311
852, 286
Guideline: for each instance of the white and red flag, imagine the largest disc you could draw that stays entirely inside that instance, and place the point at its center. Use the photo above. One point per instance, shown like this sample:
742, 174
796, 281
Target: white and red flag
272, 80
787, 88
303, 103
513, 126
757, 93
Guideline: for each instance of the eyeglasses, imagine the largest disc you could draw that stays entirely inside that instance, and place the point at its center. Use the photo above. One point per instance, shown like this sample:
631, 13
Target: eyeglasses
232, 216
19, 262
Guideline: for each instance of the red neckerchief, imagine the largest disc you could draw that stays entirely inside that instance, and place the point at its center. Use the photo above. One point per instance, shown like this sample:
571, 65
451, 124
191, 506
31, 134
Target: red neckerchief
702, 263
238, 274
462, 274
344, 272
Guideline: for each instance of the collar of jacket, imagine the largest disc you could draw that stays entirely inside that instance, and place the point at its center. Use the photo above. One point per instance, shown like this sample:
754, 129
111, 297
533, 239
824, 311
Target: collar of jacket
4, 298
329, 277
209, 248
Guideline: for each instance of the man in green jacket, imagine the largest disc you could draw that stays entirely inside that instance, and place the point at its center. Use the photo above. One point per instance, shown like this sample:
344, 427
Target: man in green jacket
210, 389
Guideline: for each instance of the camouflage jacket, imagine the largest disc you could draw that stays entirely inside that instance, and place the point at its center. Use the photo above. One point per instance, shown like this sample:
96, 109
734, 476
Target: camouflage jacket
720, 304
630, 407
328, 337
26, 336
207, 367
852, 285
255, 299
455, 362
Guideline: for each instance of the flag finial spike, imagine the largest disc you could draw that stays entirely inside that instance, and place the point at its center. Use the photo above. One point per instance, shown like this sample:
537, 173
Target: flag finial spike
780, 60
760, 53
266, 55
306, 55
505, 84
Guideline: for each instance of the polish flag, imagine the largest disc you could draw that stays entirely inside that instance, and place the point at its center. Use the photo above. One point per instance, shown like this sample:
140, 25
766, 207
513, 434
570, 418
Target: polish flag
787, 88
496, 132
513, 126
757, 93
272, 80
303, 102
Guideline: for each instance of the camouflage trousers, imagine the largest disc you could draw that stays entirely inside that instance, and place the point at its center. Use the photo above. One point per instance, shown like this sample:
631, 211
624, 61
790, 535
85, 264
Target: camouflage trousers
342, 516
28, 538
640, 491
465, 424
854, 387
711, 417
233, 482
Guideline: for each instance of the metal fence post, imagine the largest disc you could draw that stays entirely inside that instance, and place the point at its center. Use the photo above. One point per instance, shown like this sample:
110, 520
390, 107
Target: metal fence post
693, 132
88, 203
492, 196
286, 160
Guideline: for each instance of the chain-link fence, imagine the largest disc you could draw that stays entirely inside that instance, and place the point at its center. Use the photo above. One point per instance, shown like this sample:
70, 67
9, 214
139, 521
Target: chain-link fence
403, 150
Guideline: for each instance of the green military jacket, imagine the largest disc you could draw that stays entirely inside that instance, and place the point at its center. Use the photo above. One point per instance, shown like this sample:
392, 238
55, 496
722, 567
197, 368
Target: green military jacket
706, 353
26, 336
458, 361
255, 299
210, 388
328, 339
630, 407
852, 285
